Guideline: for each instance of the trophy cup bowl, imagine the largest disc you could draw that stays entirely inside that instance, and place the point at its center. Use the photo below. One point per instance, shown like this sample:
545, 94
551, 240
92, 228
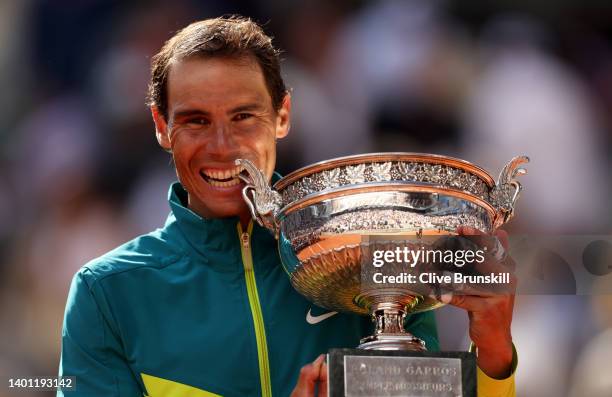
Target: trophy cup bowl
322, 215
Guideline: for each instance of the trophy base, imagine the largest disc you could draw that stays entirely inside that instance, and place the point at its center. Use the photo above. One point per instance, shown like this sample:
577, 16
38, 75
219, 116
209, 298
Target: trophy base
395, 373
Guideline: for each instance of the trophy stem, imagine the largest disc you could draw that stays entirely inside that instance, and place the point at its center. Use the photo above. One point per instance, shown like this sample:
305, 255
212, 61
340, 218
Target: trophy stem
389, 318
390, 333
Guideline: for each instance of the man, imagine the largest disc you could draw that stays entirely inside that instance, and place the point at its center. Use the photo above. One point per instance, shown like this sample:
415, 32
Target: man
202, 306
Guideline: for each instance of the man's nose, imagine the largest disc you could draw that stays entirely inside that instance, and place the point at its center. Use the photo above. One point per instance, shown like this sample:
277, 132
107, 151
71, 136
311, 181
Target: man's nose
223, 141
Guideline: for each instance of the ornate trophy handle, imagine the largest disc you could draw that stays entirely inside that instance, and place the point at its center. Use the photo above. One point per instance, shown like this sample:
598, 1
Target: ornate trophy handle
263, 202
507, 190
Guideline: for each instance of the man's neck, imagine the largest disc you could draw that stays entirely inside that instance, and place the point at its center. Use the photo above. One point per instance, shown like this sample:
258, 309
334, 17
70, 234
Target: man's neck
244, 215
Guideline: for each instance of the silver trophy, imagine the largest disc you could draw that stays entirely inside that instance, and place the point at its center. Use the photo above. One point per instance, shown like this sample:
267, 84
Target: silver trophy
324, 214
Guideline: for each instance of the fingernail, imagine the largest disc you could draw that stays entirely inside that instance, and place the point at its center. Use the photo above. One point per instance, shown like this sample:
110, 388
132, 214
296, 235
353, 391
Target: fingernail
319, 359
446, 298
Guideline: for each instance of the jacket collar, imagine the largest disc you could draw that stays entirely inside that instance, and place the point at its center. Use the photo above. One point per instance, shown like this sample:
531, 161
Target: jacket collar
204, 235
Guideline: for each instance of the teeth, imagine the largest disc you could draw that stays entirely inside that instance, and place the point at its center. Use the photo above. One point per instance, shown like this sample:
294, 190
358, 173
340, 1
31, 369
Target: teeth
232, 182
223, 174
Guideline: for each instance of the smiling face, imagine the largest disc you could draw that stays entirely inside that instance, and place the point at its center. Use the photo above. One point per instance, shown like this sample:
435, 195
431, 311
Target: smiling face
219, 110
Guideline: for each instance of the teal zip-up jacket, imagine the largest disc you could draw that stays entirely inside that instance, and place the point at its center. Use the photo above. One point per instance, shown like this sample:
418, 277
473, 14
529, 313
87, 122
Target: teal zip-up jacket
198, 308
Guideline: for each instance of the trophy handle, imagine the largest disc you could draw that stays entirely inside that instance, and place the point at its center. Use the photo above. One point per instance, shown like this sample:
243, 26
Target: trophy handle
507, 190
263, 202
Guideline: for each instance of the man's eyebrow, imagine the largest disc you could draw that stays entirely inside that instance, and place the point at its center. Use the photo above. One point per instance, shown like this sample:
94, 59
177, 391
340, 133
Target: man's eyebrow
180, 114
246, 107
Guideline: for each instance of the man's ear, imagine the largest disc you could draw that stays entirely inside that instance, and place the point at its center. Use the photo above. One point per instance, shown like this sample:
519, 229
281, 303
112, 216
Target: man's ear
161, 129
283, 117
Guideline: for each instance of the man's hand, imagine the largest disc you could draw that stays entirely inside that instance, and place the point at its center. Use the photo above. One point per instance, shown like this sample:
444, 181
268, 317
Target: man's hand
490, 315
310, 375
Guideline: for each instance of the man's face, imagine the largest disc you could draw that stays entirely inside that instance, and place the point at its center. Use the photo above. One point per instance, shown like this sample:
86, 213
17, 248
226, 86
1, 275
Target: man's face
219, 110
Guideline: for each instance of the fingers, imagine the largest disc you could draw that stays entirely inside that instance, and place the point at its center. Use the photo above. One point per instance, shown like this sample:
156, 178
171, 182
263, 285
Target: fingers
496, 245
503, 238
473, 303
309, 375
482, 239
499, 278
501, 234
492, 265
323, 380
470, 303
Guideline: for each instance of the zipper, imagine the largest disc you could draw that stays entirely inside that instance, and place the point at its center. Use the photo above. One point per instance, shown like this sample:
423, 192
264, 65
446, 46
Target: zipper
258, 322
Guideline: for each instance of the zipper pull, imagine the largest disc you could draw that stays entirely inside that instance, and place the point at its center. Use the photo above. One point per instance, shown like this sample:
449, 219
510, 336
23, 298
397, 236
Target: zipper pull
244, 238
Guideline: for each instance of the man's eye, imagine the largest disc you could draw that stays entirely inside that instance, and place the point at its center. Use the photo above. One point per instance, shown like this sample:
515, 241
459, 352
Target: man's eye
242, 116
197, 121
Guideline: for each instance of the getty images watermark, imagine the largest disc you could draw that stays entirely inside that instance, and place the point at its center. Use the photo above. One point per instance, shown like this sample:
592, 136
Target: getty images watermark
422, 256
537, 264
